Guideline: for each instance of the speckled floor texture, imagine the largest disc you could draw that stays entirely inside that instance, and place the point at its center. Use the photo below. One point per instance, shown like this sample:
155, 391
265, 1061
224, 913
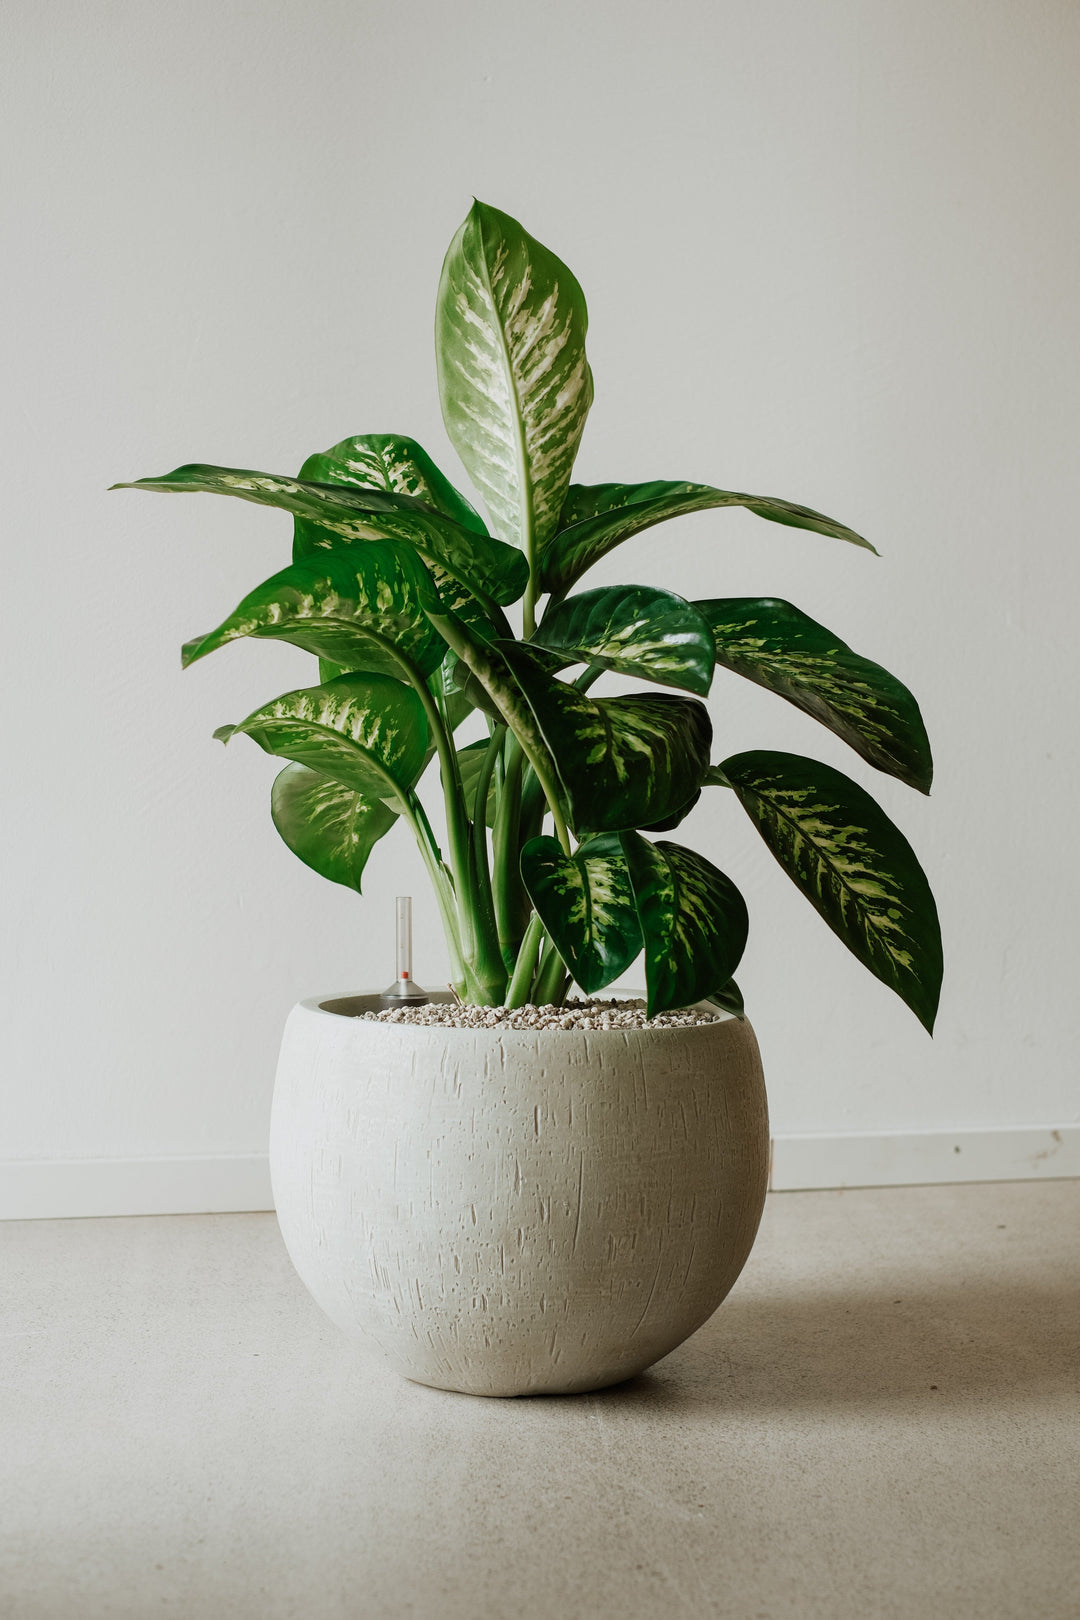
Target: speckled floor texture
883, 1420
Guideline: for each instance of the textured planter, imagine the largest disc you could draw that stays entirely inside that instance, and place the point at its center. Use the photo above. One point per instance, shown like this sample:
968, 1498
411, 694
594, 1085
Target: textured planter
507, 1212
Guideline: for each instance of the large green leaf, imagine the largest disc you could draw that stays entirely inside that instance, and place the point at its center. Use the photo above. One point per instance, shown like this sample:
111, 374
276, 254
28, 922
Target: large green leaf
636, 630
514, 382
332, 828
458, 690
623, 761
402, 467
391, 462
597, 517
353, 608
729, 999
586, 903
344, 512
854, 866
666, 823
693, 920
490, 685
783, 649
482, 627
368, 732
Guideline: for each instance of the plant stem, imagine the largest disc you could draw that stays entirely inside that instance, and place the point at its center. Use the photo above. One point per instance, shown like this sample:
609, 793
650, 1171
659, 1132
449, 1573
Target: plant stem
478, 659
487, 771
511, 901
416, 816
521, 982
533, 806
554, 598
552, 979
491, 967
477, 943
588, 677
457, 822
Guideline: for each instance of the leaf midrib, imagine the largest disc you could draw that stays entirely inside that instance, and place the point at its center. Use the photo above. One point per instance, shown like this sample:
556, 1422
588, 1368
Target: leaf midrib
335, 622
525, 506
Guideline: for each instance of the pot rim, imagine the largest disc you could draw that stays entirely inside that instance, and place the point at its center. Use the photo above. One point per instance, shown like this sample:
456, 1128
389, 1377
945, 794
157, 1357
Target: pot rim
323, 1006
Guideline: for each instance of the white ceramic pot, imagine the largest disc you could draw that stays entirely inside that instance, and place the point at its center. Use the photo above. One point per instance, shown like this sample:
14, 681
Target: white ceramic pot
509, 1212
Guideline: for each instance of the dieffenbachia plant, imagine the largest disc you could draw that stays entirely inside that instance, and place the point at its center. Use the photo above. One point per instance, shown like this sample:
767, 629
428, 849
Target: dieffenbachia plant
398, 586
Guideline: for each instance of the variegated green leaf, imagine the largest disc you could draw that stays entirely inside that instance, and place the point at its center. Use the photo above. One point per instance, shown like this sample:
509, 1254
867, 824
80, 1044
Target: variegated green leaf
514, 382
398, 465
636, 630
402, 467
340, 513
854, 866
481, 627
494, 689
355, 608
693, 920
332, 828
473, 694
484, 619
597, 517
729, 999
459, 692
453, 704
586, 904
676, 818
783, 649
623, 761
368, 732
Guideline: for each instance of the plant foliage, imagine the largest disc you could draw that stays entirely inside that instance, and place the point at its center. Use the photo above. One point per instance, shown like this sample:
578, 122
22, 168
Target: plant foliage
552, 872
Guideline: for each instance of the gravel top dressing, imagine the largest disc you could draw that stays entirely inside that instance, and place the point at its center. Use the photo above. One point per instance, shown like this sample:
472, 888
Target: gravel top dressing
573, 1015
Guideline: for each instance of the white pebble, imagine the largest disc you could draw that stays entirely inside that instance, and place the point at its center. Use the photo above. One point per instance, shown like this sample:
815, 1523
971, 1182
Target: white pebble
574, 1014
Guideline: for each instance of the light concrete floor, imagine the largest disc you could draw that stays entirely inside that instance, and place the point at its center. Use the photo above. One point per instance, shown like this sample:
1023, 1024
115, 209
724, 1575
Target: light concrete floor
881, 1421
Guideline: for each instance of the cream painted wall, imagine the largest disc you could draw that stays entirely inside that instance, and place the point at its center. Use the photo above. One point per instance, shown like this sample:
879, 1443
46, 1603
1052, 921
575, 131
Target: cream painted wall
831, 253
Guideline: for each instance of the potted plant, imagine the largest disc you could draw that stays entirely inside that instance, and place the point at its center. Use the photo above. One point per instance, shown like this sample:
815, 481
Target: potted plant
522, 1200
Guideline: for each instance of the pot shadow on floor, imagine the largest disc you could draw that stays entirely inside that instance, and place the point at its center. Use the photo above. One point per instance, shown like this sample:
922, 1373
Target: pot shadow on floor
1012, 1341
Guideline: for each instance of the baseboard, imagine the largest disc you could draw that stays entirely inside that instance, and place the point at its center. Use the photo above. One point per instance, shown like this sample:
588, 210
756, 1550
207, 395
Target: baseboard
924, 1158
200, 1184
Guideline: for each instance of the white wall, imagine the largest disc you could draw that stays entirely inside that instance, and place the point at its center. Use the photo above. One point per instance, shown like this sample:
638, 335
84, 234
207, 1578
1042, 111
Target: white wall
831, 254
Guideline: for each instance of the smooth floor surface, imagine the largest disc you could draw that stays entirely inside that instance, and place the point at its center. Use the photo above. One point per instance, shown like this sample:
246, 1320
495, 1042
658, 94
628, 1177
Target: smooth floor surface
883, 1420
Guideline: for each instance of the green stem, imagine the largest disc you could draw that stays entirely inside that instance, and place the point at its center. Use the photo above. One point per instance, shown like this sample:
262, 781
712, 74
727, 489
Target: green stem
528, 606
457, 822
490, 965
477, 943
533, 806
474, 654
552, 979
416, 816
588, 677
511, 902
521, 982
532, 589
554, 598
487, 769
